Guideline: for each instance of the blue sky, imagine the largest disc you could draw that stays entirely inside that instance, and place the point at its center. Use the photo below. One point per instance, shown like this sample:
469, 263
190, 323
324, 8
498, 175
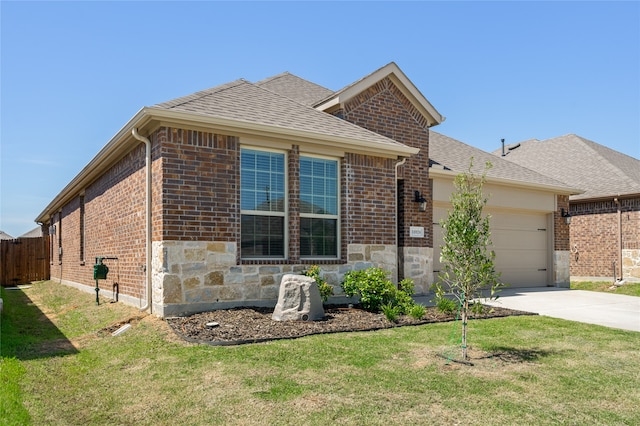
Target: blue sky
73, 73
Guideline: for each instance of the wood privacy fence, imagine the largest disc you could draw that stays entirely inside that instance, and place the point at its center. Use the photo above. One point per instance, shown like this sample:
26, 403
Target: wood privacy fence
24, 260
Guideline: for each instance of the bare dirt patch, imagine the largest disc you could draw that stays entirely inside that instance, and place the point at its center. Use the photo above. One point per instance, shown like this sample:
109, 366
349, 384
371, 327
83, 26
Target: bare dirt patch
252, 325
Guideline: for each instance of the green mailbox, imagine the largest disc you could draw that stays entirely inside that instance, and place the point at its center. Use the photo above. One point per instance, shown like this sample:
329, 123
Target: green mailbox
100, 270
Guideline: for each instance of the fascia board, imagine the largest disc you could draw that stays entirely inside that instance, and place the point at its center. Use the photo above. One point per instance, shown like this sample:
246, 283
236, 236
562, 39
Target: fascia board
560, 190
597, 198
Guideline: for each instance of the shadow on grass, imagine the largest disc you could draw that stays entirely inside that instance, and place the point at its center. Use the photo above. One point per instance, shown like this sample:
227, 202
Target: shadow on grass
510, 354
27, 333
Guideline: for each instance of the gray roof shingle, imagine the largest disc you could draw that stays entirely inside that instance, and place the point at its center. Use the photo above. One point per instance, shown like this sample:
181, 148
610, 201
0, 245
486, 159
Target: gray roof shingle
579, 162
243, 101
295, 88
455, 156
5, 236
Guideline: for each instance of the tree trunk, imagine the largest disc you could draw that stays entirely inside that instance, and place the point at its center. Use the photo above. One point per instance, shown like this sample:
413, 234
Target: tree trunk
465, 315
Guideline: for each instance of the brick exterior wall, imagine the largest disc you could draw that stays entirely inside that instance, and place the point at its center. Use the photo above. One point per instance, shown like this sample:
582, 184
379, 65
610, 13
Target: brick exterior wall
595, 237
561, 236
385, 110
195, 199
368, 200
200, 185
114, 226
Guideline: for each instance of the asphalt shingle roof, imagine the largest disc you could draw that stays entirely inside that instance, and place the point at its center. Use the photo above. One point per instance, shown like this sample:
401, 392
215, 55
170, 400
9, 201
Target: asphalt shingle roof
581, 163
5, 236
455, 156
295, 88
243, 101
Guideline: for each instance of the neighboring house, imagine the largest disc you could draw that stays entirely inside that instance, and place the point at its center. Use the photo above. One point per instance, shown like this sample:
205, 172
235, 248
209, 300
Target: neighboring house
5, 236
605, 218
34, 233
207, 200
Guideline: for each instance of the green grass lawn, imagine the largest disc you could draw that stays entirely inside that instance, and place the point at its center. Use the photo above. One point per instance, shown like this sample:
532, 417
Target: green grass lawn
630, 289
58, 368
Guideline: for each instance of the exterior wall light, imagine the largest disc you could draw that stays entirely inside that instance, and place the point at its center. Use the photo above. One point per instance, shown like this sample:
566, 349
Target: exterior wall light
566, 216
419, 198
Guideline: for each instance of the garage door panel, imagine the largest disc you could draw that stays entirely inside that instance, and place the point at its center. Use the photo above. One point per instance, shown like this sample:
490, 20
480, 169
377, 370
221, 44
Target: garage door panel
510, 258
515, 240
523, 277
519, 240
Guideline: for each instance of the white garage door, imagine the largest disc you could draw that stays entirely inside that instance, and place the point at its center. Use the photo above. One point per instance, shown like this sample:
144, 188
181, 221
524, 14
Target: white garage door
519, 241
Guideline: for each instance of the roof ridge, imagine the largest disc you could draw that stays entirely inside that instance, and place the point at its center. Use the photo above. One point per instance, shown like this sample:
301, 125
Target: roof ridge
181, 100
274, 77
259, 86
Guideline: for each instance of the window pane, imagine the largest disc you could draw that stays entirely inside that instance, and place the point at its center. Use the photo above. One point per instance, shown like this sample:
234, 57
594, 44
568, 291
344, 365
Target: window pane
262, 181
319, 185
318, 237
262, 237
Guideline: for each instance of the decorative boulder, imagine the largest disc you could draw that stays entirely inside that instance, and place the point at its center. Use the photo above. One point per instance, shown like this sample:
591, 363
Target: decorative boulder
299, 299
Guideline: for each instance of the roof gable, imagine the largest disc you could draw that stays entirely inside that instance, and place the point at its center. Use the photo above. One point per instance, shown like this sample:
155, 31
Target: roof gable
579, 162
393, 72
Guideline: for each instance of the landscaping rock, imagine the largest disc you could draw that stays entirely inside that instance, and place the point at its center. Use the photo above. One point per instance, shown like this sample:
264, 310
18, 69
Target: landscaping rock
299, 299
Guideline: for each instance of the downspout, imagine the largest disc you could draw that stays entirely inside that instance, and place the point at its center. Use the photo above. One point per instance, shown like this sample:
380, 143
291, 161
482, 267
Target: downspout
617, 201
398, 164
148, 234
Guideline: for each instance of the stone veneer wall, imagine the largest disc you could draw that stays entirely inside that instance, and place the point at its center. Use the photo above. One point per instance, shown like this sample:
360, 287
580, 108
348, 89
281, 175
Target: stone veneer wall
193, 276
417, 264
631, 264
561, 269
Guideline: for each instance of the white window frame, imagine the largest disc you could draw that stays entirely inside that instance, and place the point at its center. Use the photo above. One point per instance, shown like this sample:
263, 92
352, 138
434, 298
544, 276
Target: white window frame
284, 214
336, 217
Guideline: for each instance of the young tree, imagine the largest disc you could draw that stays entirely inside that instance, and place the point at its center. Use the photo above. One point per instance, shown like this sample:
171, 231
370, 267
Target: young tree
466, 254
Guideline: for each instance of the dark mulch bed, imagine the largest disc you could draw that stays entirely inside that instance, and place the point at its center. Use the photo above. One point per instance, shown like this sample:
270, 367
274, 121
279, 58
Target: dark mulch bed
252, 325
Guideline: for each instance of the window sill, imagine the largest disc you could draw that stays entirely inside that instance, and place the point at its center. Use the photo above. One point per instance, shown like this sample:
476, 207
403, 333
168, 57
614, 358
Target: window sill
292, 262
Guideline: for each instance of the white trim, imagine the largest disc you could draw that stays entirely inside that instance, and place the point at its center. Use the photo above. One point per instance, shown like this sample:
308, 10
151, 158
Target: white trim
284, 214
561, 190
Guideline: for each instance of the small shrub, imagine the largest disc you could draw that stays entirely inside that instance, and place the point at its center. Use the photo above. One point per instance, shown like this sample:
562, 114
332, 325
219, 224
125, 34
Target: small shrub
326, 290
417, 311
375, 290
391, 312
403, 295
372, 285
446, 306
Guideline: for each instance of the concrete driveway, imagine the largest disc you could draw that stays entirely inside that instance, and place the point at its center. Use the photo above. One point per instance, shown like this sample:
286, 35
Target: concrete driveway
592, 307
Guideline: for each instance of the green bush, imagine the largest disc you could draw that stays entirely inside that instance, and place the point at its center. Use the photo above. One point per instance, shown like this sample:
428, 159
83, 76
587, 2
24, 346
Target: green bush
375, 289
372, 285
390, 311
446, 306
417, 311
326, 290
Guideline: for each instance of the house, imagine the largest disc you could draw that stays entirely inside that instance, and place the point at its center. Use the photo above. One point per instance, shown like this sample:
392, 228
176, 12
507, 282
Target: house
605, 217
205, 201
5, 236
34, 233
